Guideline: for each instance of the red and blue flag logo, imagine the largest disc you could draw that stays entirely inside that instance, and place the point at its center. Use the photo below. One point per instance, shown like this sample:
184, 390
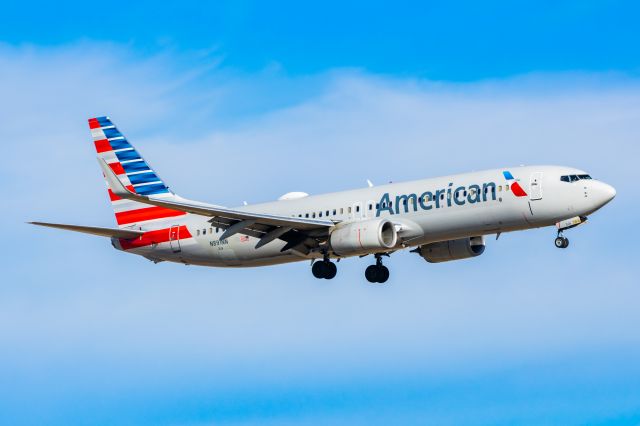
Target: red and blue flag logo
515, 186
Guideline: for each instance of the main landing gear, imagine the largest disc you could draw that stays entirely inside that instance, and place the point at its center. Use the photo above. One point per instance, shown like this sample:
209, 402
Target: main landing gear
561, 241
377, 273
324, 269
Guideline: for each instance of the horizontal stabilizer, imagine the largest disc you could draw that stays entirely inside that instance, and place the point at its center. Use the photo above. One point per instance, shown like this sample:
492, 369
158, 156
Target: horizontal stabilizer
94, 230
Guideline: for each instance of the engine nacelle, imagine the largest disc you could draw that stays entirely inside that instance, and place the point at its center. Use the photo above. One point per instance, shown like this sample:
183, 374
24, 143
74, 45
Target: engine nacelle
445, 251
363, 237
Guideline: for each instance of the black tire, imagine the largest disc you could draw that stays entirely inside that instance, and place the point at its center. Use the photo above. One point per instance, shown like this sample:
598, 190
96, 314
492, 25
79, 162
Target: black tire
371, 273
383, 274
566, 243
330, 270
560, 242
319, 270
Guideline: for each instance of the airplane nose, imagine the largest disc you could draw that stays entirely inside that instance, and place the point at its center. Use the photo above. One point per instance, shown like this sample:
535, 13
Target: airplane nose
603, 193
610, 192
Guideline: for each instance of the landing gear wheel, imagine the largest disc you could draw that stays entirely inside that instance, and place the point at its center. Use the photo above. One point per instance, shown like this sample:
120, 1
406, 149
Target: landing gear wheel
371, 273
562, 242
330, 270
324, 269
383, 274
318, 269
377, 273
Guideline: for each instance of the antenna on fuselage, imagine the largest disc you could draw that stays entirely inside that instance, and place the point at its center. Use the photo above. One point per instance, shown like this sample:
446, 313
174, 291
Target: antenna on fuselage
369, 183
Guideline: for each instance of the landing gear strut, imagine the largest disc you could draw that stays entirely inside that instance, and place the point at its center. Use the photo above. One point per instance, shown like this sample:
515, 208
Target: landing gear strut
377, 273
561, 241
324, 269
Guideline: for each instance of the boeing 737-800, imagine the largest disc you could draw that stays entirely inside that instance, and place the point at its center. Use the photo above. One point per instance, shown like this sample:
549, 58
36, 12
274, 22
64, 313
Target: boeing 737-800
442, 219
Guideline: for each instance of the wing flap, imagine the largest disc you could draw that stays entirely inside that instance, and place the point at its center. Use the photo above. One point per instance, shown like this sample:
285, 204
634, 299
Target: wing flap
93, 230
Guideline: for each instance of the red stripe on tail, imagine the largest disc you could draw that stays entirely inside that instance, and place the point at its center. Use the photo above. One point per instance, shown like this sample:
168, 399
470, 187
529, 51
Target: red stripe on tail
117, 168
102, 145
149, 213
114, 197
93, 123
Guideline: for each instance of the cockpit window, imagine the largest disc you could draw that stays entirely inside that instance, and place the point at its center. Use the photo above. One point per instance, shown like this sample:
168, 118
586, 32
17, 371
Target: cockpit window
574, 178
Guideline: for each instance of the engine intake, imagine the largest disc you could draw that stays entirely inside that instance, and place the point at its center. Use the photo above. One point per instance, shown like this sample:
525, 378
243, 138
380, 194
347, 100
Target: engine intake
363, 237
445, 251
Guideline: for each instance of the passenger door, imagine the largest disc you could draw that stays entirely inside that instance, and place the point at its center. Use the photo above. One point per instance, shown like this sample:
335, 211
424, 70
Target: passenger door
535, 186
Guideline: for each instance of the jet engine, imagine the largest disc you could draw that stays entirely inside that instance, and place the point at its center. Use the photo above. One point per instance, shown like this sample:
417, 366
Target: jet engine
363, 237
444, 251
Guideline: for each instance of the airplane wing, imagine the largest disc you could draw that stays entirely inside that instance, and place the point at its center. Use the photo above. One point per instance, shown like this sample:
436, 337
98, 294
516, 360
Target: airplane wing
299, 233
94, 230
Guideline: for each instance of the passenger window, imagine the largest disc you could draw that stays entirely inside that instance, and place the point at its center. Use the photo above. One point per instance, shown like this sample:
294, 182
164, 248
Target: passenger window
357, 209
217, 229
211, 230
314, 216
334, 212
327, 213
349, 210
442, 196
341, 210
499, 188
370, 206
198, 233
204, 231
306, 215
320, 214
506, 188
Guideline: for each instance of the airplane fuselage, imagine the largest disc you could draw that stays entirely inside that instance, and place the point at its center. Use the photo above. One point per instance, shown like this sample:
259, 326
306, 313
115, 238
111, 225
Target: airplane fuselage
423, 212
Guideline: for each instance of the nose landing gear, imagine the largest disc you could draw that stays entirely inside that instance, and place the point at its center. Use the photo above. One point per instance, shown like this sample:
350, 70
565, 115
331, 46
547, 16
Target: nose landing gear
561, 241
377, 273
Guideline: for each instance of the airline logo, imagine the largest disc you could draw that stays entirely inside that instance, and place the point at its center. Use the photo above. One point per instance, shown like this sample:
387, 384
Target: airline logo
133, 170
446, 197
515, 186
437, 199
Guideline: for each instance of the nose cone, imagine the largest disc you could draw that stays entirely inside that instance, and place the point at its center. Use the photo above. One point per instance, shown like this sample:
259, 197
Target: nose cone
601, 193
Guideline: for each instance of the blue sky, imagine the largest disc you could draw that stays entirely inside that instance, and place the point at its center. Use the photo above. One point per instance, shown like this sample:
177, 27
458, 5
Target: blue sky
317, 98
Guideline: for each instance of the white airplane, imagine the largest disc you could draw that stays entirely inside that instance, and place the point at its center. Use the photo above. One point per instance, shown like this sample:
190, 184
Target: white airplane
443, 219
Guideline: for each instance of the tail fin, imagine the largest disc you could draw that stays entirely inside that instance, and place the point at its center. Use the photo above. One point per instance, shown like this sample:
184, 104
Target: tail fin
134, 172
